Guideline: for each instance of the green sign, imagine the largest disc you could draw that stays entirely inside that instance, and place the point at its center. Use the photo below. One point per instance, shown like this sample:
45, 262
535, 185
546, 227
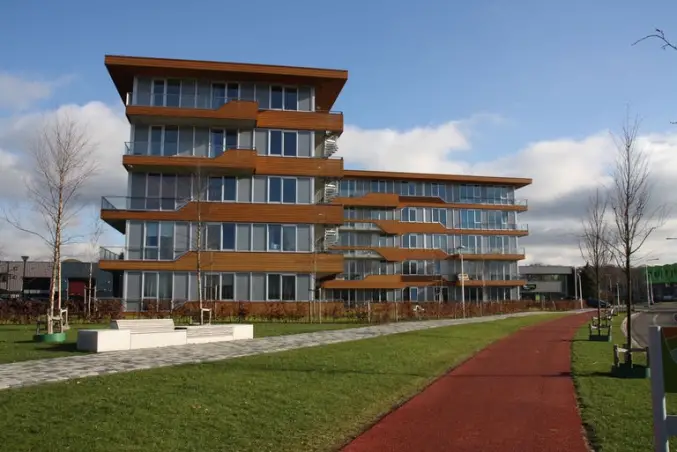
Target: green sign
669, 352
663, 274
529, 287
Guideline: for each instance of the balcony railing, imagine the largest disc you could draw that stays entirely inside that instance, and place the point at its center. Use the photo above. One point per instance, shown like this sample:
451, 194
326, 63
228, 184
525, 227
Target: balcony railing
141, 203
485, 201
156, 149
204, 102
157, 253
473, 251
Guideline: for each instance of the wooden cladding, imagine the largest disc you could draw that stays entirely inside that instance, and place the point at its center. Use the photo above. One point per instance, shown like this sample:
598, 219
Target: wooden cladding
300, 120
223, 261
394, 254
328, 83
389, 200
236, 212
392, 200
516, 182
237, 161
404, 281
402, 227
239, 113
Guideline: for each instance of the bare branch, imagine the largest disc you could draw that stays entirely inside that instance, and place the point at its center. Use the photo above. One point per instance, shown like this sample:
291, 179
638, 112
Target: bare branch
660, 35
634, 218
62, 161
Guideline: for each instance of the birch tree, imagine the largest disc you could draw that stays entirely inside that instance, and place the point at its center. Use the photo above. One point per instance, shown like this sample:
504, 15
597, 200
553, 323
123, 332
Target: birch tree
634, 216
62, 161
200, 185
94, 237
594, 242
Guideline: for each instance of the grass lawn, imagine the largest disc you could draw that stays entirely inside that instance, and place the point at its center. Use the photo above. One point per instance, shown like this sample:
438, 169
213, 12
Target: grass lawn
301, 400
617, 411
16, 341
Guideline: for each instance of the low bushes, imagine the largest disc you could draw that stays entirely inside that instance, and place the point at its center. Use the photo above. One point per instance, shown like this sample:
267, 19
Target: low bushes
28, 311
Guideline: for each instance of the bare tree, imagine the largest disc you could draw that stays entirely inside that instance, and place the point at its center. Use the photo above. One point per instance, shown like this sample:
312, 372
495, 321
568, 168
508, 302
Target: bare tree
94, 237
594, 243
62, 162
200, 185
660, 35
634, 217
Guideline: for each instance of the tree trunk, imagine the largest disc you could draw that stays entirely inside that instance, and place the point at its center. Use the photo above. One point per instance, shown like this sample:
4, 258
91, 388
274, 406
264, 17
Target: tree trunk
88, 307
599, 303
628, 305
52, 293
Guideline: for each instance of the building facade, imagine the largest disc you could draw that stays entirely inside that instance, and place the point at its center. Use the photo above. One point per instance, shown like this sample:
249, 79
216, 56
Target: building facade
232, 171
548, 282
663, 280
35, 279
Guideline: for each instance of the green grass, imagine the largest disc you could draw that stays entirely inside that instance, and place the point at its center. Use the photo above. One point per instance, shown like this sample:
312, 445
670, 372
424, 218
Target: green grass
301, 400
16, 341
616, 411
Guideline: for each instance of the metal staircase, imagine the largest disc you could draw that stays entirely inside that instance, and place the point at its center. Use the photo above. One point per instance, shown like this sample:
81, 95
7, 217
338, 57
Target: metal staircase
331, 190
330, 144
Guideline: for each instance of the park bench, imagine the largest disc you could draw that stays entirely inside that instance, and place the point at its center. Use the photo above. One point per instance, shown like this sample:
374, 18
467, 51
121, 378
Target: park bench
618, 351
153, 333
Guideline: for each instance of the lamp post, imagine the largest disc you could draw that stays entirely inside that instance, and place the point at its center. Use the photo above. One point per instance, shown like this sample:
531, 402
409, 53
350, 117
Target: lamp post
649, 291
459, 251
23, 279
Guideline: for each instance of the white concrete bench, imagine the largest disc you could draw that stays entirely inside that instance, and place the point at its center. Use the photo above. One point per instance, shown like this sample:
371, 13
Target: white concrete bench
218, 333
152, 333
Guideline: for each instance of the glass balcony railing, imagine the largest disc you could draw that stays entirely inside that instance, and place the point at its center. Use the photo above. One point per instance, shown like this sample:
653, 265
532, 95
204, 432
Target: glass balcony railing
157, 149
138, 203
448, 199
204, 102
456, 251
157, 253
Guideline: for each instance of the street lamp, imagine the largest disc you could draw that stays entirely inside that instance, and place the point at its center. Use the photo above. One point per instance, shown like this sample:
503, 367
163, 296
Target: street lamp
459, 251
649, 289
23, 279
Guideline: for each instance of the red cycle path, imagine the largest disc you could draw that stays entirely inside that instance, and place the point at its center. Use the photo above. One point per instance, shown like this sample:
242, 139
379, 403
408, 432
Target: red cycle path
515, 395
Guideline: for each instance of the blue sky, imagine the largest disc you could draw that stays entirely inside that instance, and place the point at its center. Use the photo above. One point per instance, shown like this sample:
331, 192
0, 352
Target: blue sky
556, 73
550, 69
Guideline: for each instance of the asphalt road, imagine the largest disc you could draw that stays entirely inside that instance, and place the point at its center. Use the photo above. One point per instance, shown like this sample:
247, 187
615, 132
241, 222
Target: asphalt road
662, 314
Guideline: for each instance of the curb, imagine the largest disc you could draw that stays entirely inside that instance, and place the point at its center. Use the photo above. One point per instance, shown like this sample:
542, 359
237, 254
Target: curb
624, 328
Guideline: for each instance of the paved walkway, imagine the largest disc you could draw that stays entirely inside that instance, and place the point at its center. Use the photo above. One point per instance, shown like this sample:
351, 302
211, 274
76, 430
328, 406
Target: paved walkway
29, 373
514, 396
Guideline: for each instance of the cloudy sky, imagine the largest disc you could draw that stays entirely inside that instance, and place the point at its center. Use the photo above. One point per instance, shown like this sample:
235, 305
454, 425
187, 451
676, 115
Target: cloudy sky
533, 90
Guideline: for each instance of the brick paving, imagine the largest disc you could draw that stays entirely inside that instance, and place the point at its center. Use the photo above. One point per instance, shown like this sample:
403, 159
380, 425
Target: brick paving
27, 373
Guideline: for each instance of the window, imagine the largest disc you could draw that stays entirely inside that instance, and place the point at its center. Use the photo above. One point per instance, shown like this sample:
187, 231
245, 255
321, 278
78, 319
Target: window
228, 236
276, 101
165, 286
158, 99
167, 240
283, 143
218, 94
156, 141
274, 237
229, 188
152, 241
171, 144
233, 92
215, 189
282, 190
150, 286
213, 237
282, 287
291, 99
288, 238
211, 285
173, 93
227, 286
284, 98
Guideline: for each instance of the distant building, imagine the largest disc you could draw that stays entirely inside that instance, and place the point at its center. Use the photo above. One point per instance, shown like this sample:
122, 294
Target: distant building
38, 276
663, 280
547, 282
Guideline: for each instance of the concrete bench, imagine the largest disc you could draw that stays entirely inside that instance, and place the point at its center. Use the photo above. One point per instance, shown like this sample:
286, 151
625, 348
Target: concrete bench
218, 333
153, 333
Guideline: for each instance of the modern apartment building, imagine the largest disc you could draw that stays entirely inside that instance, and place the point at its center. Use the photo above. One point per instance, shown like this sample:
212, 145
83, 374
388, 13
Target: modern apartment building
232, 170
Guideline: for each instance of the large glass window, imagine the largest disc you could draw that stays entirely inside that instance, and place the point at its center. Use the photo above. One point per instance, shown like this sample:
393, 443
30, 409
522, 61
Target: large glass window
167, 240
282, 190
228, 236
281, 287
152, 240
274, 237
214, 236
215, 190
283, 143
229, 188
173, 93
276, 98
165, 286
218, 94
227, 286
288, 238
284, 98
150, 285
158, 93
291, 99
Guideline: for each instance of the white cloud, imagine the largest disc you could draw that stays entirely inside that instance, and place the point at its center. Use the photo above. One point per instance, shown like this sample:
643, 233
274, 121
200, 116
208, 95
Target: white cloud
17, 93
564, 172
